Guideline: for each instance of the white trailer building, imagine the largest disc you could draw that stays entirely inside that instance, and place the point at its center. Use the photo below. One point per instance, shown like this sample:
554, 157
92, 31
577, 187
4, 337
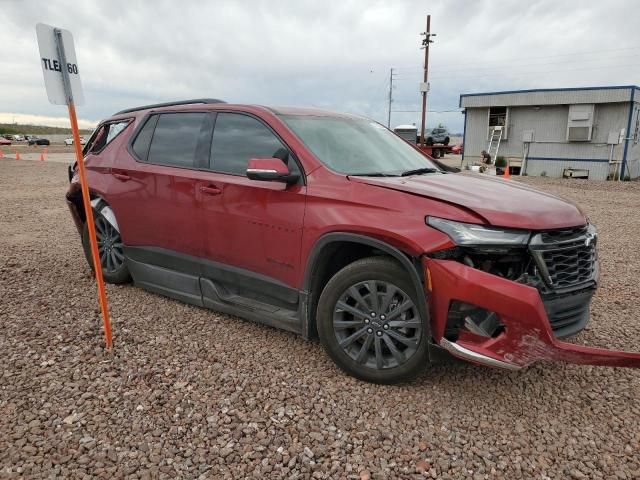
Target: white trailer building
591, 131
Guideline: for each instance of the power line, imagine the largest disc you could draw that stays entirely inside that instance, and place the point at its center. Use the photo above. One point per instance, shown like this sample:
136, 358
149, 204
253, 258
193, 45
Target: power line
512, 65
536, 72
591, 52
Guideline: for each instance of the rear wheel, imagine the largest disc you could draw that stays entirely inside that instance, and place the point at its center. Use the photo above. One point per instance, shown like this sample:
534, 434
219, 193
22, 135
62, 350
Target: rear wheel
429, 140
110, 249
446, 141
369, 322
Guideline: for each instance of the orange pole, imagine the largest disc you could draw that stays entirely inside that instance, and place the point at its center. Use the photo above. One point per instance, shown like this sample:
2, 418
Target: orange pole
102, 296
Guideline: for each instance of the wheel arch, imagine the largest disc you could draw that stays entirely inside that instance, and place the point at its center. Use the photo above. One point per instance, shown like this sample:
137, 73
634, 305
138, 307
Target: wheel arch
318, 270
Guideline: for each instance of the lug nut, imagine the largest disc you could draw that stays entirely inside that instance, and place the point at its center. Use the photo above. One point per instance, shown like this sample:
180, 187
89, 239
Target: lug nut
366, 321
379, 333
373, 314
383, 317
385, 326
369, 330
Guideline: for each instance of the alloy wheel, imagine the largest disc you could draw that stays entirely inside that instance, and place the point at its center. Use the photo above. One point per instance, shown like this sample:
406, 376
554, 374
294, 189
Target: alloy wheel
377, 324
110, 245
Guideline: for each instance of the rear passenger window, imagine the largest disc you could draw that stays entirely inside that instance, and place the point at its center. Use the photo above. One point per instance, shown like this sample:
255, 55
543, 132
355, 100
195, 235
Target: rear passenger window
143, 140
175, 139
237, 138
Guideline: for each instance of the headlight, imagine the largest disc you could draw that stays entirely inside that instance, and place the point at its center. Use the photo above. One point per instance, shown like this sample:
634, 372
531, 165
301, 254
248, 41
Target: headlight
472, 234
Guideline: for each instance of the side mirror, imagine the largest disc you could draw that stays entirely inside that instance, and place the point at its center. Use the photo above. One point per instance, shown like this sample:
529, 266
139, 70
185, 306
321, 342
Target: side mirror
270, 169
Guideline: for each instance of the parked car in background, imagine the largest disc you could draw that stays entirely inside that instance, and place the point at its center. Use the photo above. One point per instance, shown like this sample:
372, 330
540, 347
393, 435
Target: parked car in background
69, 141
457, 149
18, 138
331, 226
437, 135
39, 141
4, 141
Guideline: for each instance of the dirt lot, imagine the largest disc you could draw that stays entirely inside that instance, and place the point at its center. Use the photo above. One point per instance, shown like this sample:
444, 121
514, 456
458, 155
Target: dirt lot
189, 393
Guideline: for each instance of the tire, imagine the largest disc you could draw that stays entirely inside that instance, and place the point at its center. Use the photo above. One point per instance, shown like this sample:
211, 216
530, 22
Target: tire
435, 153
363, 345
114, 266
446, 140
429, 140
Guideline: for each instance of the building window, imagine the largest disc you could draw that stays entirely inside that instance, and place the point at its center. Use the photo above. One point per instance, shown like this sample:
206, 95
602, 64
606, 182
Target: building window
498, 117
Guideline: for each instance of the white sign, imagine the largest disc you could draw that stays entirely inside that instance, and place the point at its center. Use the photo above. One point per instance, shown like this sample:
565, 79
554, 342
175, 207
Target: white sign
53, 65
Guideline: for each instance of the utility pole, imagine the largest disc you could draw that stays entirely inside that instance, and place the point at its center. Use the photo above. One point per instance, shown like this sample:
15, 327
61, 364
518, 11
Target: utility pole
424, 88
390, 97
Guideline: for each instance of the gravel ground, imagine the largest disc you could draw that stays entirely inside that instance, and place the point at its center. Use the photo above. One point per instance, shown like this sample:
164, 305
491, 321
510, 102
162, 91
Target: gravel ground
193, 394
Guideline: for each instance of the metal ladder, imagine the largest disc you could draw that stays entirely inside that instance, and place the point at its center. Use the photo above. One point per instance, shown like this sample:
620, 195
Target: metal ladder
494, 142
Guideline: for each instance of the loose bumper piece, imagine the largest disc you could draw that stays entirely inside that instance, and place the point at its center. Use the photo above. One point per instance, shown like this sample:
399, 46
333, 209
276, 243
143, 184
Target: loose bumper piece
527, 335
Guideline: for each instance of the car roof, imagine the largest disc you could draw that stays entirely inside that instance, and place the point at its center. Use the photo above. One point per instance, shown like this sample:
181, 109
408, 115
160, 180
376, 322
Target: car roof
213, 104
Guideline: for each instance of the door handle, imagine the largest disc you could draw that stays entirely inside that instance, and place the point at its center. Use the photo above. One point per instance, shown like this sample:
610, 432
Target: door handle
210, 190
121, 176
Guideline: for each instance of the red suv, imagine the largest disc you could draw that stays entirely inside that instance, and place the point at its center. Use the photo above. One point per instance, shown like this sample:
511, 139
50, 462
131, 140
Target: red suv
331, 226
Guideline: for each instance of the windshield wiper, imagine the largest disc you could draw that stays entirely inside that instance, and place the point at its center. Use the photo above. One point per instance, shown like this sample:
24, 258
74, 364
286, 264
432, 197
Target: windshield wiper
372, 174
419, 171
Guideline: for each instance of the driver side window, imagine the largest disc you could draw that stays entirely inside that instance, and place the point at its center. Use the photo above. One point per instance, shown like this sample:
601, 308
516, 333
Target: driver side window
237, 138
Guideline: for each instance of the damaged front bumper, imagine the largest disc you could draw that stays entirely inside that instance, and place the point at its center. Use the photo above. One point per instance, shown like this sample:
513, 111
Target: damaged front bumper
526, 335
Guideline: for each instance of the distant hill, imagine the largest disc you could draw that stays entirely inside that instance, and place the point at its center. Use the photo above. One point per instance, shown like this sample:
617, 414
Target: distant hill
18, 129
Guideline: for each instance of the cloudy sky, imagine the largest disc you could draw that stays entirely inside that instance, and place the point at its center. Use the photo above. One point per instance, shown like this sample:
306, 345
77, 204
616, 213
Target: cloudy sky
329, 54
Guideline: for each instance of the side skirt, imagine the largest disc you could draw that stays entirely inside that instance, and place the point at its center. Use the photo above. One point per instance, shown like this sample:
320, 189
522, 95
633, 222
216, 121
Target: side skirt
218, 287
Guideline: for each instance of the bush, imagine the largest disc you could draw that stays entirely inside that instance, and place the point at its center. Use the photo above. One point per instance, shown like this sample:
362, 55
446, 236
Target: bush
501, 162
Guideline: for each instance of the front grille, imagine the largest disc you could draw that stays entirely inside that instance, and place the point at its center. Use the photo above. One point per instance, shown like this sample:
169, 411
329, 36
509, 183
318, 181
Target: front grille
566, 257
564, 234
568, 313
571, 266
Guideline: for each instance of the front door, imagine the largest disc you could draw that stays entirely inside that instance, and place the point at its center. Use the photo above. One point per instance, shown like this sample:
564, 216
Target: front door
253, 225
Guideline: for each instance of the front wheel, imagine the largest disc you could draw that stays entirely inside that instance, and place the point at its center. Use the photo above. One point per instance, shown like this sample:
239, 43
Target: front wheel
370, 324
110, 249
446, 141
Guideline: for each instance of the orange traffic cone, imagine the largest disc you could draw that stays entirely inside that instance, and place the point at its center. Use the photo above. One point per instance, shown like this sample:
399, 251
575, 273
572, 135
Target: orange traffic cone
42, 156
1, 154
17, 155
506, 171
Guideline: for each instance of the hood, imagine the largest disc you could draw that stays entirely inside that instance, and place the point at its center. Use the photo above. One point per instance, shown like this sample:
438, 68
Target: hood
504, 203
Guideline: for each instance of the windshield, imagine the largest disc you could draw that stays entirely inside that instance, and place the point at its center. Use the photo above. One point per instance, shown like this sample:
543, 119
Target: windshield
356, 146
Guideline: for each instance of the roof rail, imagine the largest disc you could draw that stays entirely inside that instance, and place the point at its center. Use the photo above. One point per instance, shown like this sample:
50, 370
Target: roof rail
170, 104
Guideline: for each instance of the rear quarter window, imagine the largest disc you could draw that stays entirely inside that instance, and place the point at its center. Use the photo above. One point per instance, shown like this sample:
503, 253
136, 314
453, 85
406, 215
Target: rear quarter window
104, 135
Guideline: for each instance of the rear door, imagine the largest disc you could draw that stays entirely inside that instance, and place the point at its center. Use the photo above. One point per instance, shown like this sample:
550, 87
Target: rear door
253, 225
155, 194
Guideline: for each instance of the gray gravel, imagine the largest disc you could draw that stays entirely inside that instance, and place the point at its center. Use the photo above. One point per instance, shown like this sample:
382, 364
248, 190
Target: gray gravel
190, 393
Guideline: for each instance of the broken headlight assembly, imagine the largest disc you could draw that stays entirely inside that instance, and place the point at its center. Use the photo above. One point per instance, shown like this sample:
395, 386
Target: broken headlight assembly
476, 235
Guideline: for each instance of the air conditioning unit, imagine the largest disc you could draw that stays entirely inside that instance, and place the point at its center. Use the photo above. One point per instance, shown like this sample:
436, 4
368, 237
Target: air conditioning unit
580, 122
